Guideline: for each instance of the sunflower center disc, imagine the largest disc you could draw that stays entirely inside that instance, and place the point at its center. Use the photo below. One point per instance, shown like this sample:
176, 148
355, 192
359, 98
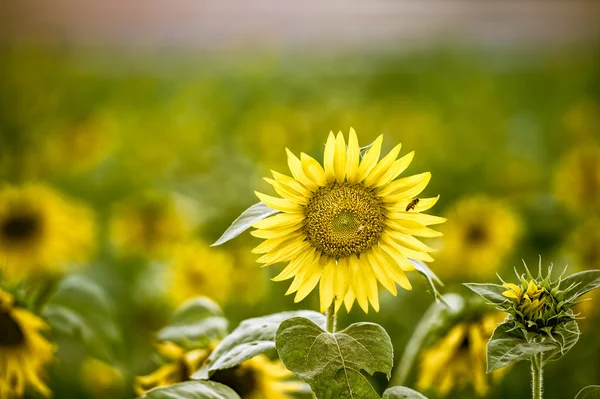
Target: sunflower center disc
18, 228
344, 219
10, 332
241, 379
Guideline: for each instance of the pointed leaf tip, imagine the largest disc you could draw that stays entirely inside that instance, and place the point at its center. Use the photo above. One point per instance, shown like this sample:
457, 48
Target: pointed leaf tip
250, 216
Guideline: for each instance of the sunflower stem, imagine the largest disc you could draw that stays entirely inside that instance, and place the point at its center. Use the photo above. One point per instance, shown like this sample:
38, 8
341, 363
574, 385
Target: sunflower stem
331, 318
537, 376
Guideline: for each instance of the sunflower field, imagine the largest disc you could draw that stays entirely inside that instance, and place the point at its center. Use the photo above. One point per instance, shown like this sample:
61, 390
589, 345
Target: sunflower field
378, 194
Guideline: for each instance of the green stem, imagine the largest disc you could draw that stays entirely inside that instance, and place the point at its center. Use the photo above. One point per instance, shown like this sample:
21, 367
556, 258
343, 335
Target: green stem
537, 376
331, 318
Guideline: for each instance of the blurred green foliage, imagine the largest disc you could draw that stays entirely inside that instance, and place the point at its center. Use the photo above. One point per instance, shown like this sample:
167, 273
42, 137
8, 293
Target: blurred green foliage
105, 125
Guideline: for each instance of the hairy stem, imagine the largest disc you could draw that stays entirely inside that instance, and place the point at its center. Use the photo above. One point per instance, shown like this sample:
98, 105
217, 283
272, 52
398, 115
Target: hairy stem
537, 376
331, 318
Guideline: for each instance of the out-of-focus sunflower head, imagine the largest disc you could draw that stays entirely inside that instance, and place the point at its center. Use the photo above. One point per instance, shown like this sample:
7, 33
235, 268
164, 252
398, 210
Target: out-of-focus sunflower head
480, 233
42, 232
150, 225
577, 180
346, 226
198, 270
24, 351
257, 378
456, 360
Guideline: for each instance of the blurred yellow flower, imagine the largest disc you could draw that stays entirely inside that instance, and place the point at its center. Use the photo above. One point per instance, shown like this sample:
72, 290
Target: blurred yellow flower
151, 225
24, 352
42, 231
582, 247
257, 378
458, 359
577, 180
198, 270
481, 231
348, 225
100, 378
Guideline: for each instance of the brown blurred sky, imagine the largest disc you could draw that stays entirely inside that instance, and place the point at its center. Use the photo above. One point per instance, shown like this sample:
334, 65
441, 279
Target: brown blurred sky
335, 22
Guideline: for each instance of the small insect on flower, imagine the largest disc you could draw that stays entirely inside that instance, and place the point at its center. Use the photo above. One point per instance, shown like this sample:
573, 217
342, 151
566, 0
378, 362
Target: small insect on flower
412, 204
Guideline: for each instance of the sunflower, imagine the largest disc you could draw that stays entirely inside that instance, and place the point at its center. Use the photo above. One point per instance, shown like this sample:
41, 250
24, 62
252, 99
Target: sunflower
577, 180
481, 231
582, 247
458, 359
100, 379
347, 225
23, 350
41, 231
149, 226
257, 378
198, 270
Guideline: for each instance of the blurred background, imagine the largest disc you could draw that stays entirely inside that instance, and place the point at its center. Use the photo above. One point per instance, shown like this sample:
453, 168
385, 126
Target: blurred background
161, 118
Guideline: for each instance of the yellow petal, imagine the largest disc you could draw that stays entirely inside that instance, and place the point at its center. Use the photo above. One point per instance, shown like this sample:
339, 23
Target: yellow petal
286, 192
279, 204
422, 218
391, 261
370, 159
274, 243
395, 169
279, 221
309, 281
341, 281
339, 161
358, 284
274, 233
313, 169
327, 284
296, 169
292, 183
349, 299
412, 228
283, 254
329, 158
383, 166
405, 188
406, 241
303, 260
352, 158
370, 282
380, 272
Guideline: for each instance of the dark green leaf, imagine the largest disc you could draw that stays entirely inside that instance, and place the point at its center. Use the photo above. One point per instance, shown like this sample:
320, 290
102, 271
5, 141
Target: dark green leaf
436, 316
81, 309
432, 279
252, 337
333, 363
192, 390
490, 292
507, 347
250, 216
583, 282
590, 392
564, 337
402, 393
196, 323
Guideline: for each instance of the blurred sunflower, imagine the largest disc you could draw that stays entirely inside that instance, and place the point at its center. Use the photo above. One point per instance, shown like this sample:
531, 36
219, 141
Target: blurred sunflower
249, 282
481, 231
257, 378
577, 180
458, 359
149, 226
100, 378
41, 231
348, 225
198, 270
582, 247
24, 351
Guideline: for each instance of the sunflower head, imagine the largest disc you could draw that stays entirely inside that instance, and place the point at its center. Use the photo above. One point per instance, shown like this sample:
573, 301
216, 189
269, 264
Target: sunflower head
458, 359
577, 180
347, 225
23, 349
41, 231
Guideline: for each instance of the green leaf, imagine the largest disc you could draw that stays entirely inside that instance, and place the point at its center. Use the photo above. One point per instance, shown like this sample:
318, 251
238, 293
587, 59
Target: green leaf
564, 337
583, 282
81, 309
192, 390
332, 363
252, 337
435, 317
507, 347
250, 216
432, 279
194, 324
402, 393
590, 392
490, 292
